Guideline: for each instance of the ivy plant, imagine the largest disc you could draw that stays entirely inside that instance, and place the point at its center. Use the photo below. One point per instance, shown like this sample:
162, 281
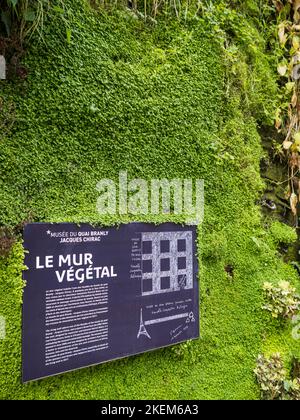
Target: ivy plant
281, 300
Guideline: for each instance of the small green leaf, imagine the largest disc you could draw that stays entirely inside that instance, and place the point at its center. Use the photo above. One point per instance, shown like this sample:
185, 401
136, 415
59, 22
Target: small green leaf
29, 16
289, 86
69, 35
5, 18
13, 2
58, 9
282, 69
256, 241
287, 385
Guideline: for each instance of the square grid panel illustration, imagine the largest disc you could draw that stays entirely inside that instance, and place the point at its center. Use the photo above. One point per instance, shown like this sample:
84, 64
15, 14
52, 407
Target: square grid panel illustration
167, 262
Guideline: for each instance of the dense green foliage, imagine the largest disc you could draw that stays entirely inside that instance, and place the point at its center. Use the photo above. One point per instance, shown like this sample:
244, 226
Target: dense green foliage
271, 376
281, 300
164, 100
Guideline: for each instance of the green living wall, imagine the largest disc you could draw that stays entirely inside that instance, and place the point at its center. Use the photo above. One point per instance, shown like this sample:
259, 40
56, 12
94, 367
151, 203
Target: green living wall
160, 101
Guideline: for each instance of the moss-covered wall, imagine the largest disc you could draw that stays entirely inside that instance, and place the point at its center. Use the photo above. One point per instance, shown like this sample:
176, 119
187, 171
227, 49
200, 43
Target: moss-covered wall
155, 100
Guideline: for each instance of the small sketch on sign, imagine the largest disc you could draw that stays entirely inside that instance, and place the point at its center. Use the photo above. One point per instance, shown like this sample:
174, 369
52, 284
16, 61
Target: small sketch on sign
166, 266
167, 262
142, 330
190, 318
182, 282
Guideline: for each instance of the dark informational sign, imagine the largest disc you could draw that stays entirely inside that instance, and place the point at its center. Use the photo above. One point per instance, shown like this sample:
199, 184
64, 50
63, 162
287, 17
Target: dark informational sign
97, 294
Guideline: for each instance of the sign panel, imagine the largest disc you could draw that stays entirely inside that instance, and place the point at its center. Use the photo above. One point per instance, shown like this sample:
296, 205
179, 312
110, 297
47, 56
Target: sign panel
97, 294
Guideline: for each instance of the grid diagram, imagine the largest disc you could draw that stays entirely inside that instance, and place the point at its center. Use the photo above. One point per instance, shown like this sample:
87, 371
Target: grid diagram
167, 262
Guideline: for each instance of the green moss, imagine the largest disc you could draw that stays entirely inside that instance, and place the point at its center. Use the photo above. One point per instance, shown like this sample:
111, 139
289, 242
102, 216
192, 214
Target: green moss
282, 233
156, 101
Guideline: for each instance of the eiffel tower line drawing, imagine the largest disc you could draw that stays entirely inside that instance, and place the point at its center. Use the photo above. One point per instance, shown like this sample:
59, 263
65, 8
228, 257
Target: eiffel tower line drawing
142, 330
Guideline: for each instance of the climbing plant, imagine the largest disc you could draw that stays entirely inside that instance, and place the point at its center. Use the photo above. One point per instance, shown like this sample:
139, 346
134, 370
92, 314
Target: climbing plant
282, 300
21, 18
288, 115
273, 379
